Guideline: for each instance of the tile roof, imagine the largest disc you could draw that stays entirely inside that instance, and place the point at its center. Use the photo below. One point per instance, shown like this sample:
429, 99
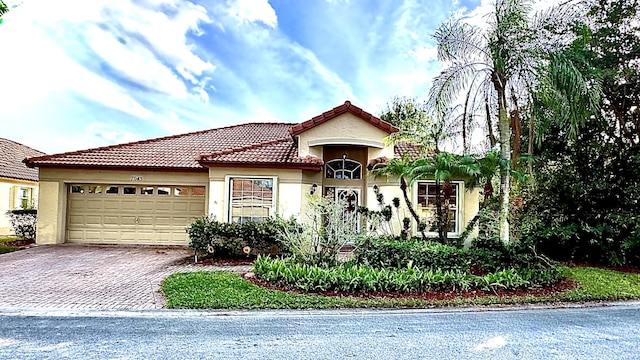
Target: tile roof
339, 110
11, 156
172, 152
252, 144
280, 152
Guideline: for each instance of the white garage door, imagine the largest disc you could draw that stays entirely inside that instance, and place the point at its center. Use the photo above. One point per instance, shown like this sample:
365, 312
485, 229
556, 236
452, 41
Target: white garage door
129, 214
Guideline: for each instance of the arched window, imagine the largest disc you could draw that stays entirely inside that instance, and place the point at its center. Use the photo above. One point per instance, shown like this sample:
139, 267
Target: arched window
344, 168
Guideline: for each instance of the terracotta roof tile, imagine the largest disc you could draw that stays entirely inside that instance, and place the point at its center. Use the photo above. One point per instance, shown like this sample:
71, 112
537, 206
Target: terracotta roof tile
261, 144
172, 152
277, 153
11, 156
339, 110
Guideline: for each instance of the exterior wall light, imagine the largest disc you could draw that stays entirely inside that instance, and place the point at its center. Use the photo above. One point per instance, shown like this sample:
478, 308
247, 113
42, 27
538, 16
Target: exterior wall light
376, 189
314, 188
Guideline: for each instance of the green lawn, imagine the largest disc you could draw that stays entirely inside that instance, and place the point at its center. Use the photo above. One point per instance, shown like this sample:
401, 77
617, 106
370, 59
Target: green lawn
6, 248
222, 290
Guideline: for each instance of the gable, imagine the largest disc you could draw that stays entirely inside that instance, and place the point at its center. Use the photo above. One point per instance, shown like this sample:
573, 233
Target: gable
344, 125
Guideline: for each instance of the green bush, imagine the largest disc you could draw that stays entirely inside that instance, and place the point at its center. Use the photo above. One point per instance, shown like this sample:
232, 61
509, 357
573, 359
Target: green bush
397, 253
23, 223
224, 240
352, 277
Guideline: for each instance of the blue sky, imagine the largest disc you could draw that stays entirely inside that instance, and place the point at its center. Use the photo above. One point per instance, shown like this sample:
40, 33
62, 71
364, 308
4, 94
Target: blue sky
81, 74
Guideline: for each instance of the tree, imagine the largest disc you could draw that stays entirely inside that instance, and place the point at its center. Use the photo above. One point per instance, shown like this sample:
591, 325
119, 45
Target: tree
497, 68
416, 127
3, 8
443, 168
586, 205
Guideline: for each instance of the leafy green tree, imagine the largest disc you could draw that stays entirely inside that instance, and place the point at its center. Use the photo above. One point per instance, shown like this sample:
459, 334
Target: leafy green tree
498, 67
3, 9
585, 207
416, 127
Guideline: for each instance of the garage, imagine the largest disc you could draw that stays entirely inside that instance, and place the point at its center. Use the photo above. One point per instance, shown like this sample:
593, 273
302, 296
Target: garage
132, 214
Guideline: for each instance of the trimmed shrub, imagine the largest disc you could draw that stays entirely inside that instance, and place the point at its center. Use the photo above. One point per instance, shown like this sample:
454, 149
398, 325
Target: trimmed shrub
397, 253
485, 255
229, 240
23, 223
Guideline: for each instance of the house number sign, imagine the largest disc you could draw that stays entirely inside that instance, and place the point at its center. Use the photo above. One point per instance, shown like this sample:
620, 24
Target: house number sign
136, 178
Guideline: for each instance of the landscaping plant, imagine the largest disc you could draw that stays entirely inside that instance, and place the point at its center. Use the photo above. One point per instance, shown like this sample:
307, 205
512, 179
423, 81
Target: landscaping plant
328, 229
23, 223
232, 240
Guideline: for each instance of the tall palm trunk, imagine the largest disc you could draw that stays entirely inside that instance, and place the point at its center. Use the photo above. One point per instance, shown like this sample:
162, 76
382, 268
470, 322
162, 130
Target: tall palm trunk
504, 126
403, 187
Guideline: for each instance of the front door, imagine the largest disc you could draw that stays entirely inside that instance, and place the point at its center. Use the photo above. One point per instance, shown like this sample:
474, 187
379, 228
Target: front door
351, 197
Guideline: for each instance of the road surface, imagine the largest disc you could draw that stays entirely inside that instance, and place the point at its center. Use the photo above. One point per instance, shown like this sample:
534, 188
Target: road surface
609, 332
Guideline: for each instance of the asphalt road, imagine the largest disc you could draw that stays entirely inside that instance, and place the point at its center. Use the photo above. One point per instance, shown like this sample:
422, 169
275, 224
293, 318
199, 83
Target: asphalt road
611, 332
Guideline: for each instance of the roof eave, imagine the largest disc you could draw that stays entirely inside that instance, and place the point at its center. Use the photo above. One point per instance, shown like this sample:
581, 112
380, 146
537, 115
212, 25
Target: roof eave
270, 165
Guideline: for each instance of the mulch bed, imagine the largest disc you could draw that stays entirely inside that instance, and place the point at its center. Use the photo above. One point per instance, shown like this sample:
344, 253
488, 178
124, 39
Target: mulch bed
216, 261
562, 286
19, 243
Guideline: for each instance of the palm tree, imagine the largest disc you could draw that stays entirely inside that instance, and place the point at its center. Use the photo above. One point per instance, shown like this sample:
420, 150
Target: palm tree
443, 168
401, 168
491, 69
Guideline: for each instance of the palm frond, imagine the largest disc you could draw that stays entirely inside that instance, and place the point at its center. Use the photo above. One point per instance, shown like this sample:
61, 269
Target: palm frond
459, 42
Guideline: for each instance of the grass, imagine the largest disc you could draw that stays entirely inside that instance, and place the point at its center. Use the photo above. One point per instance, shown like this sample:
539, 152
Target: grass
223, 290
7, 248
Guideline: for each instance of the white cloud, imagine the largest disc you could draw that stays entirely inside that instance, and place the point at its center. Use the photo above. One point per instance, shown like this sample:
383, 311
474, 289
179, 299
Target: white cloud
253, 11
135, 62
108, 134
424, 53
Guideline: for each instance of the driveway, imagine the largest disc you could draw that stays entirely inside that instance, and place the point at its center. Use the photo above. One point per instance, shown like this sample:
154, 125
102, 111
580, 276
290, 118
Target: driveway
91, 277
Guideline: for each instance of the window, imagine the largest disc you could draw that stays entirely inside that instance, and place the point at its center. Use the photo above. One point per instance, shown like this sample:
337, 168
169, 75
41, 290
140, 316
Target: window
180, 191
77, 189
24, 198
111, 190
251, 199
146, 190
129, 190
197, 191
427, 197
95, 189
164, 191
344, 168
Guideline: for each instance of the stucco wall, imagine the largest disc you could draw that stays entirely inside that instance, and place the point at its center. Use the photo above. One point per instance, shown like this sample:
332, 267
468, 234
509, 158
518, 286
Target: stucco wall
53, 193
344, 129
290, 190
7, 187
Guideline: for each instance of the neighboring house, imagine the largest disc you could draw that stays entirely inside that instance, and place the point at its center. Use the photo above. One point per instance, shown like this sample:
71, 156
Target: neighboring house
147, 192
18, 183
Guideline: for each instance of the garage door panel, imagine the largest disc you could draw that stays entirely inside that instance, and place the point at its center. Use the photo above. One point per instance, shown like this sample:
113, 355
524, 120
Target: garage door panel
145, 221
180, 206
128, 220
93, 220
112, 204
93, 235
196, 207
132, 218
111, 235
164, 221
146, 205
111, 220
77, 204
164, 205
75, 235
76, 219
128, 205
95, 204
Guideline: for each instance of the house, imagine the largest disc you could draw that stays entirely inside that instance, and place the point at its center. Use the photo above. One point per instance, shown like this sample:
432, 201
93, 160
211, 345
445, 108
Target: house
146, 192
18, 183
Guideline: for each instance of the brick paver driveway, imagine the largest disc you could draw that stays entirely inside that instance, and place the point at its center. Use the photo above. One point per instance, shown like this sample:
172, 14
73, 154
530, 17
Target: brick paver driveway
90, 277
